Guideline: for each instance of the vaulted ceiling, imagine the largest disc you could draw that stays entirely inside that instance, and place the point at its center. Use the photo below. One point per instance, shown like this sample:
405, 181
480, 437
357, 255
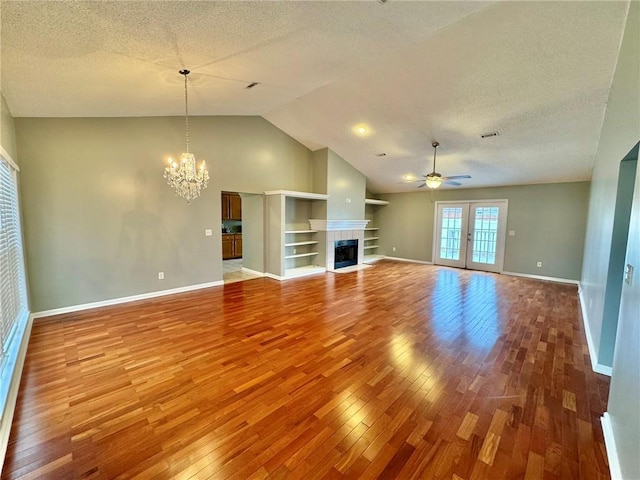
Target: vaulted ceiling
409, 73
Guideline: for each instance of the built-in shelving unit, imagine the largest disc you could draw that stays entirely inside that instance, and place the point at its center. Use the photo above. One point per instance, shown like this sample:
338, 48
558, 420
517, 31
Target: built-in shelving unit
370, 239
294, 248
372, 233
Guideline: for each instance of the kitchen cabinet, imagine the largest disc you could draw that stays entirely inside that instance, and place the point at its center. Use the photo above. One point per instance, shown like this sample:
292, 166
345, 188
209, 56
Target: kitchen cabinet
231, 206
231, 245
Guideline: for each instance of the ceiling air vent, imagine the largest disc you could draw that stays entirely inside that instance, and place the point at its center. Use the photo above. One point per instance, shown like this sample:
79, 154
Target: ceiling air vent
381, 154
252, 84
487, 135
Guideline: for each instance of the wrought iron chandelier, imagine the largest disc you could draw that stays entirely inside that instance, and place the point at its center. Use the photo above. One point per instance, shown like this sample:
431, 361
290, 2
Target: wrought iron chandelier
185, 177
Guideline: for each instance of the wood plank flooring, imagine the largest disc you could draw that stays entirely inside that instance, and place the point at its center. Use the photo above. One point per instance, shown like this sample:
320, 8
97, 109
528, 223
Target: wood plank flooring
399, 371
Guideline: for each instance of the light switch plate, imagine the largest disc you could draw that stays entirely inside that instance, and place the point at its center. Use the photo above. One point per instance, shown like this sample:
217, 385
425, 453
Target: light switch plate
512, 233
628, 274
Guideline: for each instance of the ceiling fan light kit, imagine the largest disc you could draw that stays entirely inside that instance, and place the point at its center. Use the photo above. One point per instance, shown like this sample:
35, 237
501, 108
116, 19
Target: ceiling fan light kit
433, 180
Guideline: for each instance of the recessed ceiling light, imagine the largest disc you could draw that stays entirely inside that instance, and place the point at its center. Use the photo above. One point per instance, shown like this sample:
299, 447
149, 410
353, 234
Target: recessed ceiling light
362, 130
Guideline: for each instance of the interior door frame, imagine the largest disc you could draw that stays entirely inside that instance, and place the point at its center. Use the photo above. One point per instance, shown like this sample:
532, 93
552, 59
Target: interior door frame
501, 239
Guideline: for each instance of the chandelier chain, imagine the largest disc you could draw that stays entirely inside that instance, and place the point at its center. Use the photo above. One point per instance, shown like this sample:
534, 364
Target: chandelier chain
186, 108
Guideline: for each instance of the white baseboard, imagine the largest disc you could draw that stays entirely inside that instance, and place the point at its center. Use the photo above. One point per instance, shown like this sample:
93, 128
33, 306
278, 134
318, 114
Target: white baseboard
409, 260
300, 274
117, 301
253, 272
610, 443
593, 353
15, 365
274, 277
542, 277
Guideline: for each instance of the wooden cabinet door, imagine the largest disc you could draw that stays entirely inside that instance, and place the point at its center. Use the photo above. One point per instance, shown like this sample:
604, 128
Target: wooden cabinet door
226, 207
235, 207
237, 250
227, 247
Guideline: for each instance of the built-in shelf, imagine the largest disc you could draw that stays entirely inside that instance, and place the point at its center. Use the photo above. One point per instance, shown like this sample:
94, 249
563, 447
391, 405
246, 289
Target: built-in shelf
371, 228
304, 270
300, 231
371, 238
300, 255
295, 244
372, 258
290, 193
369, 247
373, 201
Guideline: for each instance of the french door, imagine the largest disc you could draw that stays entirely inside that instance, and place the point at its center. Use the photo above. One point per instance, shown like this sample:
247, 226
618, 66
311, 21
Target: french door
470, 234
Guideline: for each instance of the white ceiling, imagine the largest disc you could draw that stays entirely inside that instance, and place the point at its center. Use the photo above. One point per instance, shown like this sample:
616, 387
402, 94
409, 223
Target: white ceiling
413, 72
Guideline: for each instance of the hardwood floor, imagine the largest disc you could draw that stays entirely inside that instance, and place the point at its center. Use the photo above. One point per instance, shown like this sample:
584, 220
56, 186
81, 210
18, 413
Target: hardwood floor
398, 371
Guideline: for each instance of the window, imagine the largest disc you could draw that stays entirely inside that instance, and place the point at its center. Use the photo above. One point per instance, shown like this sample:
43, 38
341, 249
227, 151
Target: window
13, 295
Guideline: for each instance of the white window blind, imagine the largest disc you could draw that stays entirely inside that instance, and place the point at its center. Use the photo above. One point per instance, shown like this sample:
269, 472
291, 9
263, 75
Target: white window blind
13, 295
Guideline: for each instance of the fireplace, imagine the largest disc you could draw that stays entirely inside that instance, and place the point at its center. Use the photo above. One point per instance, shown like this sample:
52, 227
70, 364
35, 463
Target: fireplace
346, 253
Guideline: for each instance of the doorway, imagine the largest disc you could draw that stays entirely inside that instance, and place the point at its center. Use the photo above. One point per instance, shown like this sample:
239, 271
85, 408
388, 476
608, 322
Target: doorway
242, 236
470, 234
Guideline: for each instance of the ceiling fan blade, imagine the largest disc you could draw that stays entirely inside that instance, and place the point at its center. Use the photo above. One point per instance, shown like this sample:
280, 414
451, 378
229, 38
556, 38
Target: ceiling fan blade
451, 182
456, 177
422, 186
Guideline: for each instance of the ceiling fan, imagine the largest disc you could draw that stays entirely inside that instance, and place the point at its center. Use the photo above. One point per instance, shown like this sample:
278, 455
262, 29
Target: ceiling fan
434, 179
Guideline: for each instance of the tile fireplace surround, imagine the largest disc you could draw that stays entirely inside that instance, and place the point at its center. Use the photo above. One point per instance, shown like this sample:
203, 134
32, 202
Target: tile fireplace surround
340, 230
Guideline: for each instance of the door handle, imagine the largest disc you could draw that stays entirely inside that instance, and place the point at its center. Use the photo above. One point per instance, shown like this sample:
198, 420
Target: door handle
468, 237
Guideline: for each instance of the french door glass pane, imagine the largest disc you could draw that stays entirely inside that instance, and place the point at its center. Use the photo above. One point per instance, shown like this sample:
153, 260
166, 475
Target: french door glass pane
451, 233
485, 234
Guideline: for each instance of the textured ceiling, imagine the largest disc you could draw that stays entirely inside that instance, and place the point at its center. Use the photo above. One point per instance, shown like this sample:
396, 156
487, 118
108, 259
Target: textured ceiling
412, 72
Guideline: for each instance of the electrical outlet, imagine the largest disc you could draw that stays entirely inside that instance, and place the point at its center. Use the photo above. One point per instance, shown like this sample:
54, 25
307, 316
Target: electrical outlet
208, 232
512, 233
348, 200
539, 264
295, 250
393, 248
160, 275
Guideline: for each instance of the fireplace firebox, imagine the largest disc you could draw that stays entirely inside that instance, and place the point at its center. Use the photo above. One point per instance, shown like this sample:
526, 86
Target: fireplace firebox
346, 253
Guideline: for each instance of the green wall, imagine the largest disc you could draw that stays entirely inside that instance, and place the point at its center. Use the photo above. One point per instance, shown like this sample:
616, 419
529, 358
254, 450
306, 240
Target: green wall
100, 221
7, 130
344, 184
620, 132
346, 187
619, 240
253, 231
549, 223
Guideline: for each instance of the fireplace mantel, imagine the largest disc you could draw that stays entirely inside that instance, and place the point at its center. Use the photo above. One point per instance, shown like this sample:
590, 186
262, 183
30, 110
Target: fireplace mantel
337, 225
